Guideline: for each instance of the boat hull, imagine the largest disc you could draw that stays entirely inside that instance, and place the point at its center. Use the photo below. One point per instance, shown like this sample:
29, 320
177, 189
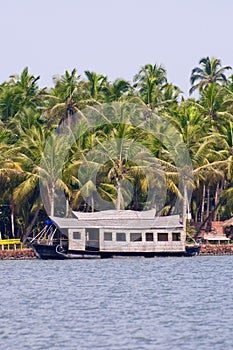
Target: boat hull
192, 250
45, 252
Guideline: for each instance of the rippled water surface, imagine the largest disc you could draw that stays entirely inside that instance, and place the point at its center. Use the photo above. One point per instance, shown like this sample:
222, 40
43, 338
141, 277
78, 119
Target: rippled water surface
118, 304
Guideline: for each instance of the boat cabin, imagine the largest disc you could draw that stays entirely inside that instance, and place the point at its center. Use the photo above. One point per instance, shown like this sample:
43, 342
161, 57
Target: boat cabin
123, 232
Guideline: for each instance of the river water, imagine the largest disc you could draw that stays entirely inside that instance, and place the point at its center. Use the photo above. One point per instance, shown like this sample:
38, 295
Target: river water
117, 304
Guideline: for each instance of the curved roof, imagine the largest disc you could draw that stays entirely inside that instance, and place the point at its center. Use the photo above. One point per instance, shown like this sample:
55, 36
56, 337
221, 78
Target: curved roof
123, 219
116, 214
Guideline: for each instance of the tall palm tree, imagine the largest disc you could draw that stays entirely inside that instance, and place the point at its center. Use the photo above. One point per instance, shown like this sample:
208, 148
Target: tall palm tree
10, 176
201, 143
210, 71
116, 90
27, 84
19, 94
26, 194
212, 105
9, 102
96, 83
149, 81
64, 97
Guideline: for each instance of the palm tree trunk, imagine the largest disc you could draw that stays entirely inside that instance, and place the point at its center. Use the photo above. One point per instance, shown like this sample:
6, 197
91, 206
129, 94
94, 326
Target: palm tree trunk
118, 200
196, 215
203, 204
206, 219
208, 202
52, 193
12, 218
69, 116
67, 207
92, 204
185, 206
216, 200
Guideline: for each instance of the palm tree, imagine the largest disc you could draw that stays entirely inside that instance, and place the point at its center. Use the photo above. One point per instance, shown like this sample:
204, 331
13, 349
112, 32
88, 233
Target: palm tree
213, 105
201, 142
29, 90
64, 97
149, 81
96, 83
209, 72
230, 83
116, 90
26, 194
19, 95
226, 151
121, 166
9, 102
10, 177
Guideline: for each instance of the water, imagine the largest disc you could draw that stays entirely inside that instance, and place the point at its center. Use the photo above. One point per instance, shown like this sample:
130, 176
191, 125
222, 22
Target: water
118, 304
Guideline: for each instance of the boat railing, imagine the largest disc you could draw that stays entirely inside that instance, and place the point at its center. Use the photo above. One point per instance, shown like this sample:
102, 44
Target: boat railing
47, 236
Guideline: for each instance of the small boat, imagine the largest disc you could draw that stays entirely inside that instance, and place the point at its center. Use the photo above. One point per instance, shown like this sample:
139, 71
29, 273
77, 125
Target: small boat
112, 233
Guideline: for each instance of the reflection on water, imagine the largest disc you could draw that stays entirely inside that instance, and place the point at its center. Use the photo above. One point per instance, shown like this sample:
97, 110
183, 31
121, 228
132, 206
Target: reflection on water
117, 304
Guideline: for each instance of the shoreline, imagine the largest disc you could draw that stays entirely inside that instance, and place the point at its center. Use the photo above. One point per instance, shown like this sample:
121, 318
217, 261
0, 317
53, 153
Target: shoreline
29, 254
18, 254
216, 249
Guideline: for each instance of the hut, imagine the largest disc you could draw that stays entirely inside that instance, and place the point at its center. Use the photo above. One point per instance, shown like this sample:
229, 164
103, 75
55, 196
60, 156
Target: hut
228, 227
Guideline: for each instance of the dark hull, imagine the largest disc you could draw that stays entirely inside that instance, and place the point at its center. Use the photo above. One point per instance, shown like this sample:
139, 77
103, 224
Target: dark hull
45, 252
193, 250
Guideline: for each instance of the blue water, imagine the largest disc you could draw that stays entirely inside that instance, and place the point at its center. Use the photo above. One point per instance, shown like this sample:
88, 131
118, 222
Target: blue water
118, 304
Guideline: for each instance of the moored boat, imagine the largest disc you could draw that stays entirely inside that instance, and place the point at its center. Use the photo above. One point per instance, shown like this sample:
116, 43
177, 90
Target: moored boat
112, 233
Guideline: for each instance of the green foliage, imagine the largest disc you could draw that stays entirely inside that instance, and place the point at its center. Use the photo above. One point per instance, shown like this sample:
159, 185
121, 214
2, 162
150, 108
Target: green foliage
123, 154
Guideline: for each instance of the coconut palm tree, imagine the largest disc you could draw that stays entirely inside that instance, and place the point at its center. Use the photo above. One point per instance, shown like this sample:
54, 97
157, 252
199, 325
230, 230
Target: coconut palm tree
10, 177
9, 102
211, 103
149, 81
95, 84
116, 90
19, 94
210, 71
26, 194
28, 88
201, 142
63, 102
123, 166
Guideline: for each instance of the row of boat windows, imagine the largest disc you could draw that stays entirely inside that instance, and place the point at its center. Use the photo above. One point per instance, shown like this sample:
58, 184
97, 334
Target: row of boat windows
135, 237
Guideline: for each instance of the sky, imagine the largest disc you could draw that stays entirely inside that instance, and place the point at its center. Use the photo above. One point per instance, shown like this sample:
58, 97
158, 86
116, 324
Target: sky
114, 38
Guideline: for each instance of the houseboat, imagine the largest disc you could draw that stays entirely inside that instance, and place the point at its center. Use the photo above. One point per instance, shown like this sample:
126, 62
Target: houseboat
112, 233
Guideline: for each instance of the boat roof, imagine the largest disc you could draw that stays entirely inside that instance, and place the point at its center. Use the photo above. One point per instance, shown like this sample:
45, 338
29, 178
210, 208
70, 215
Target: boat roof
119, 219
116, 214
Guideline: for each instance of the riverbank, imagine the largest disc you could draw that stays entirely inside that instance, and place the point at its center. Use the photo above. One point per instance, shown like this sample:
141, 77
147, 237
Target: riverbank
216, 249
206, 249
18, 254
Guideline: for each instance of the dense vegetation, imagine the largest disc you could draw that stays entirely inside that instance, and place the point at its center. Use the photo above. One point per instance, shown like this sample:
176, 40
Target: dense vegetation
29, 115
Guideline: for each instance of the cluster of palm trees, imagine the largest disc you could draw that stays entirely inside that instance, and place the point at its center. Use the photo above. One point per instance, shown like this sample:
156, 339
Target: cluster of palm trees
115, 164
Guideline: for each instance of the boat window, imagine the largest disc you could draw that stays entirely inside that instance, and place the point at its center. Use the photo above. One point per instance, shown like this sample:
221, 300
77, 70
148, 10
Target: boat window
176, 236
120, 236
162, 236
135, 237
108, 236
76, 235
149, 236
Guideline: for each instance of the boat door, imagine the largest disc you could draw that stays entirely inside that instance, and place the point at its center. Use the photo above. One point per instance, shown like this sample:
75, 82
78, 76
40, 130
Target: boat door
92, 239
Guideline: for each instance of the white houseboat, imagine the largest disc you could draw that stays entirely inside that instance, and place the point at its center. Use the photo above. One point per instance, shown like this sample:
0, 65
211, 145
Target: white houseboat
112, 233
